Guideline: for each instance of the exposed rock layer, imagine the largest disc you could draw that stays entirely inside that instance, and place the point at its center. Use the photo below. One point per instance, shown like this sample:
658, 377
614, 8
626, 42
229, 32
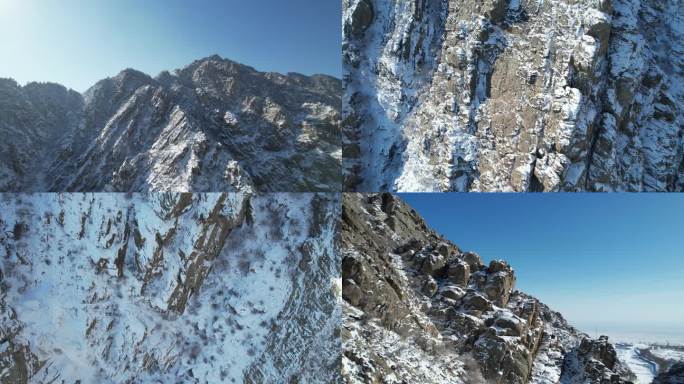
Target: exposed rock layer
513, 95
213, 126
412, 314
187, 288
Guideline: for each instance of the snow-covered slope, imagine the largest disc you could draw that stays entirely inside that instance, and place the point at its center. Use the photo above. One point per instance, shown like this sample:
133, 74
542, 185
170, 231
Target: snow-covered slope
191, 288
644, 369
213, 126
513, 95
417, 309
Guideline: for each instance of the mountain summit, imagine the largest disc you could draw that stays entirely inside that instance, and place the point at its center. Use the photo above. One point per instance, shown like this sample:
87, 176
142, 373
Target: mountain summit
215, 125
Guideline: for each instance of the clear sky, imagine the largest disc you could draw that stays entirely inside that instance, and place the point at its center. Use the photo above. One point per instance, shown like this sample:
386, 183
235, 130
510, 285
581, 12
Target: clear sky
606, 261
78, 42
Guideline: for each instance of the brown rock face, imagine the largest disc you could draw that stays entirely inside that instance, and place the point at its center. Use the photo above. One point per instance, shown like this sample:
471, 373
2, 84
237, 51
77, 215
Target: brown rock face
459, 272
500, 282
418, 310
474, 261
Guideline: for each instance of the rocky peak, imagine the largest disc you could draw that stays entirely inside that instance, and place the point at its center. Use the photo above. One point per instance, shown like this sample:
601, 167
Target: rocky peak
214, 125
8, 83
132, 78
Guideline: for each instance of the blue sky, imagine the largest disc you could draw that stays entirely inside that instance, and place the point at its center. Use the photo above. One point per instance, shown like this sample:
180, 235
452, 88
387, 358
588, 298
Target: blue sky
603, 260
78, 42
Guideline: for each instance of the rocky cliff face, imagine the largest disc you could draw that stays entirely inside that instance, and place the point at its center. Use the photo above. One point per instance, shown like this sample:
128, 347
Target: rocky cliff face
417, 309
513, 95
191, 288
213, 126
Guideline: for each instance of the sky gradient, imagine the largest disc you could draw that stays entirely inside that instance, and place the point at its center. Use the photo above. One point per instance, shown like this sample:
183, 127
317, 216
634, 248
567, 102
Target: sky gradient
606, 261
78, 42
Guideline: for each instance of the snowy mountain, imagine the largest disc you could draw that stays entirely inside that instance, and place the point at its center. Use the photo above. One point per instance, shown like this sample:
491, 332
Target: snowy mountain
172, 288
213, 126
513, 95
417, 309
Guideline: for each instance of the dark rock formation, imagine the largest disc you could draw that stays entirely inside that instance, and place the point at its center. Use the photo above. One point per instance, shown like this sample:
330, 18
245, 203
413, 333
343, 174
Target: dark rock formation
674, 375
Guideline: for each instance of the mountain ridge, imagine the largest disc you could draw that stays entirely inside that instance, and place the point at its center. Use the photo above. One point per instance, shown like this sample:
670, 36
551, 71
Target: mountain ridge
417, 308
214, 125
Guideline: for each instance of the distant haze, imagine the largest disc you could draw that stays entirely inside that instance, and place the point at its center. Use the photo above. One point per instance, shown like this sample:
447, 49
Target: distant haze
78, 42
608, 262
661, 334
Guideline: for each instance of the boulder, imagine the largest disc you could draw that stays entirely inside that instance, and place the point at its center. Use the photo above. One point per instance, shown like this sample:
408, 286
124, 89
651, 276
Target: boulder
498, 266
500, 282
473, 260
595, 361
474, 300
459, 272
452, 292
230, 119
508, 324
496, 10
352, 292
412, 245
598, 26
501, 361
388, 203
433, 265
429, 286
600, 350
362, 17
499, 286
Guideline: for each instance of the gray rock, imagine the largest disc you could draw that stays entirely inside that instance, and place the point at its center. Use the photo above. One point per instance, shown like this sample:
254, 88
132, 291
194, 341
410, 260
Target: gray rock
434, 264
476, 301
459, 272
362, 17
452, 292
473, 260
499, 286
430, 286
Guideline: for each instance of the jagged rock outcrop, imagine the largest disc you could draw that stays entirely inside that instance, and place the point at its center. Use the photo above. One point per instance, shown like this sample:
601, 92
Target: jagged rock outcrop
213, 126
513, 95
405, 322
192, 288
